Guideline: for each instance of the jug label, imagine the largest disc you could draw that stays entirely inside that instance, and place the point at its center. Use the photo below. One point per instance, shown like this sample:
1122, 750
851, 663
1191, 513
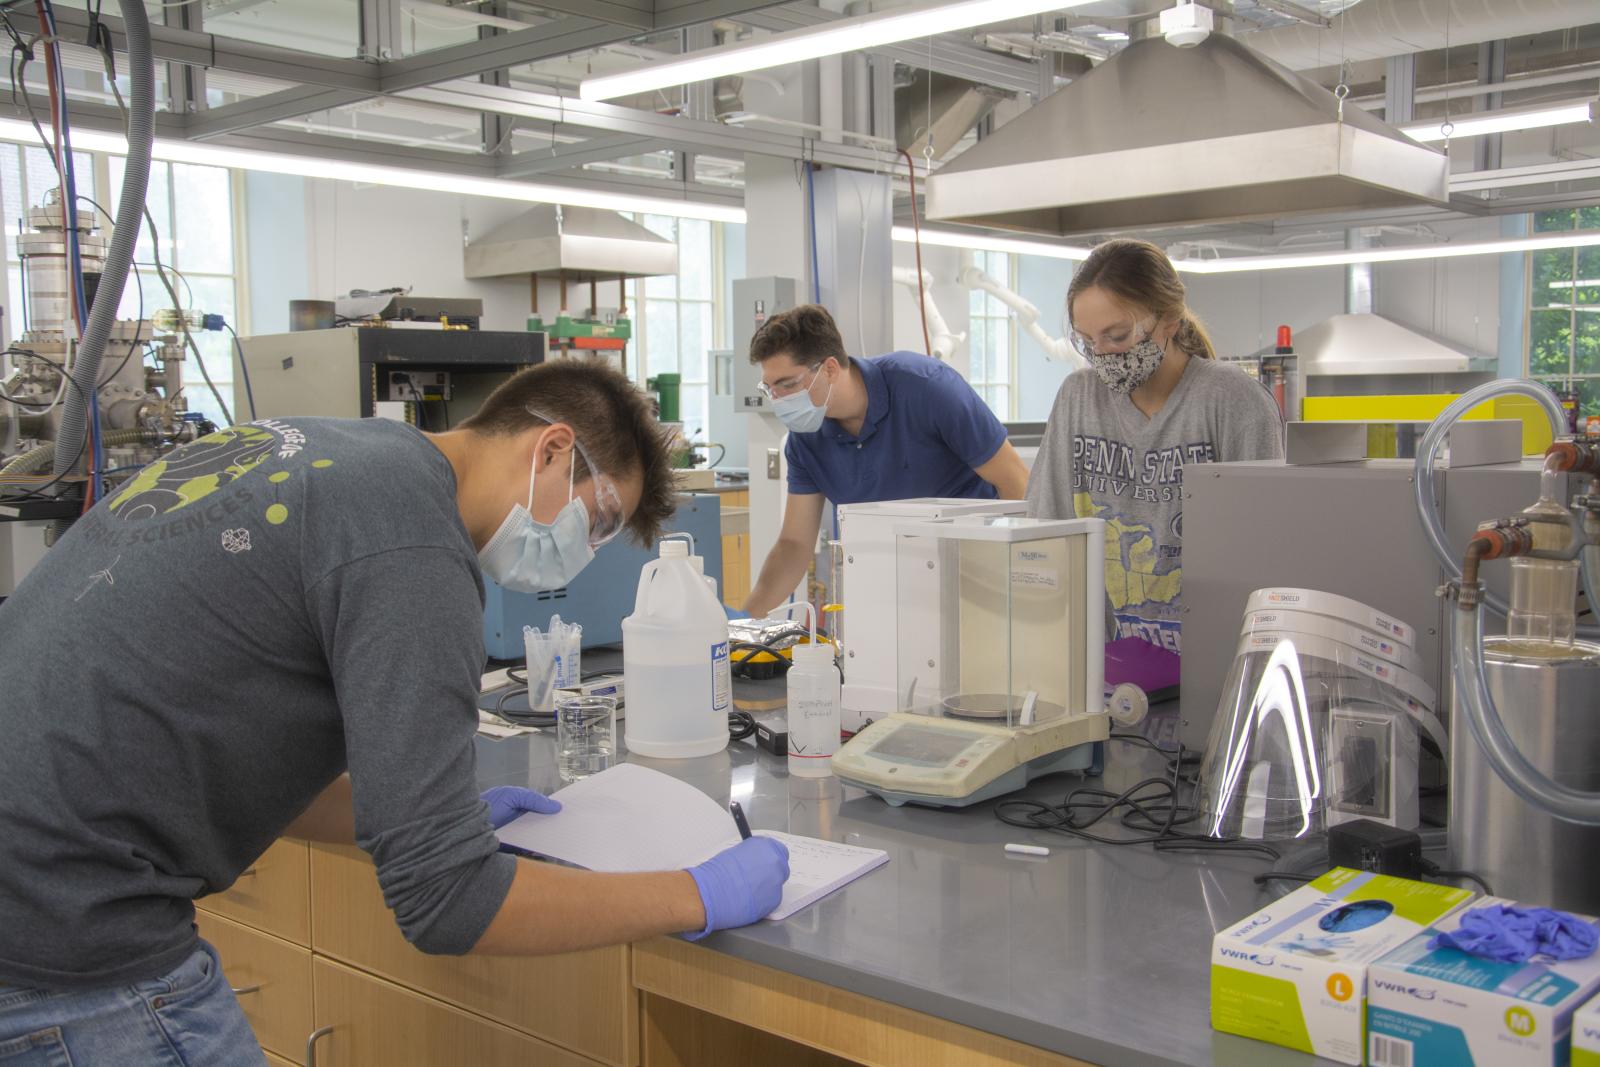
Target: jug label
721, 677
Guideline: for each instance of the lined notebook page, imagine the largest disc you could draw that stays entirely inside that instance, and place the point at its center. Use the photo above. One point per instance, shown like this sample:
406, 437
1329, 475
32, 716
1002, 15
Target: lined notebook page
631, 818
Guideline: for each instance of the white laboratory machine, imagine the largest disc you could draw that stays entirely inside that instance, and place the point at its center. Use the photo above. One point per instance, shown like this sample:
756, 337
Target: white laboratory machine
866, 630
1000, 660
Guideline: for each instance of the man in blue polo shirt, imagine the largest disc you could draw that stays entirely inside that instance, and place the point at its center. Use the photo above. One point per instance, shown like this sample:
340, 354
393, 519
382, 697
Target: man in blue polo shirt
890, 427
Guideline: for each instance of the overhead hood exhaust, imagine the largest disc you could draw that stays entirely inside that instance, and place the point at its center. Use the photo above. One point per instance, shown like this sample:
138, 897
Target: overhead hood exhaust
1164, 136
577, 241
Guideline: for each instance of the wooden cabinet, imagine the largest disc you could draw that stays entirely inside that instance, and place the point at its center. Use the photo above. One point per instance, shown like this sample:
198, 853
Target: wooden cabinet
581, 1000
377, 1022
736, 576
272, 979
279, 1061
274, 894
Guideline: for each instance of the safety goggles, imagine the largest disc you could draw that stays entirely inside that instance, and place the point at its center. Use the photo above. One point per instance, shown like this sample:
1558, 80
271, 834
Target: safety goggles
787, 386
1110, 346
607, 517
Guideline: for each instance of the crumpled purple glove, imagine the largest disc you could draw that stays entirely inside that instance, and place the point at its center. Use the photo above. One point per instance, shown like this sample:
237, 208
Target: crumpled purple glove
506, 802
741, 884
1516, 935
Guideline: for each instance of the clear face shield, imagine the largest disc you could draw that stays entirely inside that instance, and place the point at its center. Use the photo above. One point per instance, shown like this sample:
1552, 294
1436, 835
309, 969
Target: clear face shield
1313, 729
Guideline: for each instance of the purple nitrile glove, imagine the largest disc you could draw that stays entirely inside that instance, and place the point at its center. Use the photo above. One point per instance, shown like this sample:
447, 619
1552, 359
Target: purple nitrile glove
506, 802
741, 884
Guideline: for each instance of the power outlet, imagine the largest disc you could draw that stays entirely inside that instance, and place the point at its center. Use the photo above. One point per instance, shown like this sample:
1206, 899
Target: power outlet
772, 464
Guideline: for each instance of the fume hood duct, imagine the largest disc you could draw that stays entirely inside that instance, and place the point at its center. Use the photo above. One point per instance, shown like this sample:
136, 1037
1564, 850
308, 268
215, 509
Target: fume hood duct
1164, 136
577, 241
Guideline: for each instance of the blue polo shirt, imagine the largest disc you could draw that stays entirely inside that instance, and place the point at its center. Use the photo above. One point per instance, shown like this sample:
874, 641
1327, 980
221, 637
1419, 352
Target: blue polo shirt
925, 432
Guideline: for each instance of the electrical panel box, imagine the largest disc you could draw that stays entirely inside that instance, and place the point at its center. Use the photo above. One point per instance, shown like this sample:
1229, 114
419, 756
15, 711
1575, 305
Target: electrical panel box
754, 301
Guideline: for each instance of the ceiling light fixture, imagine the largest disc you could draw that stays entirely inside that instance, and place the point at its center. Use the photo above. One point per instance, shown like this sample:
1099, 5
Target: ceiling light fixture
828, 39
1238, 264
1478, 123
213, 155
978, 242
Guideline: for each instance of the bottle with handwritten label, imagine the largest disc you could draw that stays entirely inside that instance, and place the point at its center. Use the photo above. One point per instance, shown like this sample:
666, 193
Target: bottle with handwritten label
813, 710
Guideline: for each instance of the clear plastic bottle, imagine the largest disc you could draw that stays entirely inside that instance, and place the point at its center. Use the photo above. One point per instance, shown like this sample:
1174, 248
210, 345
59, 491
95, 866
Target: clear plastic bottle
813, 686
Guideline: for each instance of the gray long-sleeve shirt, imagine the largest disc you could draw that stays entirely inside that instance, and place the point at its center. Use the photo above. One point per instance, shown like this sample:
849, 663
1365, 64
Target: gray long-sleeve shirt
204, 653
1102, 458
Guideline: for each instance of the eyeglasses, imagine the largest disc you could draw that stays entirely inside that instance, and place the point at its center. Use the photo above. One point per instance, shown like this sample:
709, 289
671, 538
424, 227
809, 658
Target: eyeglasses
1112, 342
607, 517
789, 385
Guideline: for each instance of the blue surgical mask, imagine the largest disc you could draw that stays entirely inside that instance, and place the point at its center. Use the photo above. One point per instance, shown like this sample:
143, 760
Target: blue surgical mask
798, 413
533, 557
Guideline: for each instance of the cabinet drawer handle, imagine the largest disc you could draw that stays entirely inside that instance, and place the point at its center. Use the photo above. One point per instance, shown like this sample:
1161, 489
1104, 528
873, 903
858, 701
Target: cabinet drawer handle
241, 990
311, 1044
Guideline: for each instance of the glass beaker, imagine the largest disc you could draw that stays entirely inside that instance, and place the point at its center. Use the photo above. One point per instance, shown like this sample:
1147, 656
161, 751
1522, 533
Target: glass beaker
586, 735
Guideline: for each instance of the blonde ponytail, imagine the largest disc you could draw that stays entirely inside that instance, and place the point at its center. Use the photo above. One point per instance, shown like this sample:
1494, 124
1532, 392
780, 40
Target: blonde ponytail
1193, 338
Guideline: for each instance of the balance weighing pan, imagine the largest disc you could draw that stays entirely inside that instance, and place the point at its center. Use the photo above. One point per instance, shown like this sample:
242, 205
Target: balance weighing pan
996, 706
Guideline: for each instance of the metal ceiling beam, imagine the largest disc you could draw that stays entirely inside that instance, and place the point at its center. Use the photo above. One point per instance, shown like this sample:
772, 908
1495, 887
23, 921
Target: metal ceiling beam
638, 14
712, 137
222, 53
558, 38
568, 156
273, 107
945, 54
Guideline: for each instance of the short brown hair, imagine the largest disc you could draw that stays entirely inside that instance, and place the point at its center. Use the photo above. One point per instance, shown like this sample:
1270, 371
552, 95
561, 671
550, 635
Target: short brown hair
611, 418
1140, 274
807, 333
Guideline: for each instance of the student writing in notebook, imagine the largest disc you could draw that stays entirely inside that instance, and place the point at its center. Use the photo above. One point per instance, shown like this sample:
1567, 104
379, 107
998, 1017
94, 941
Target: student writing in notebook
195, 665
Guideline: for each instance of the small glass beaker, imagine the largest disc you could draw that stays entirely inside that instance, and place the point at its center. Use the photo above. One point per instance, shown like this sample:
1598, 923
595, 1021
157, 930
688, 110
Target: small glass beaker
586, 735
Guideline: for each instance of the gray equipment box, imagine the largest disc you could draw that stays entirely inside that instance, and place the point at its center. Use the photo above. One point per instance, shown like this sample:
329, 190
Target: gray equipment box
346, 372
1346, 528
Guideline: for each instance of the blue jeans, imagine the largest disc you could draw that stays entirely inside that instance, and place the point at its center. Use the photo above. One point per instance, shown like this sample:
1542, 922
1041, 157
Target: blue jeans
186, 1018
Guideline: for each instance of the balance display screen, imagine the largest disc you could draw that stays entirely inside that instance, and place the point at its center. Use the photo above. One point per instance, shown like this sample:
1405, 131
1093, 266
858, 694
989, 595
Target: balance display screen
911, 744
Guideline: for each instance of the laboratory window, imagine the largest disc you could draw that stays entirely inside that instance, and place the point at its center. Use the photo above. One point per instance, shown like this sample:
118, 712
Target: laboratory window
677, 317
992, 337
1563, 310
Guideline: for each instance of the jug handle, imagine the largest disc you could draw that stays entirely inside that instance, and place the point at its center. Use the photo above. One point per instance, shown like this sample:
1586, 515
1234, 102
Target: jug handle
646, 574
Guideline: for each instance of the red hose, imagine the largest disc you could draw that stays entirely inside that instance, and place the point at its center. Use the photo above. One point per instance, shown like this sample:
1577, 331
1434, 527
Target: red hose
916, 229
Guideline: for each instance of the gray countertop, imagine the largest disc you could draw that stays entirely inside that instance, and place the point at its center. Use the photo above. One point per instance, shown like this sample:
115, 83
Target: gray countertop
1097, 952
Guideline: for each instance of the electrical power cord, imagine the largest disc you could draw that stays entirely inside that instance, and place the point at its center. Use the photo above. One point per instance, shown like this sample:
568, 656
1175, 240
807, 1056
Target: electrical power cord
741, 724
1433, 870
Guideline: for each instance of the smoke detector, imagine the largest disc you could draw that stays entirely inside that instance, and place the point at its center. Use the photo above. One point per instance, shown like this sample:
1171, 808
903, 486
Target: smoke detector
1186, 24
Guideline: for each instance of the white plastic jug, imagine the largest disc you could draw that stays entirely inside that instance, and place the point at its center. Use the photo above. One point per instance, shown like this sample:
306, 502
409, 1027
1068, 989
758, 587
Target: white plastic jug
675, 661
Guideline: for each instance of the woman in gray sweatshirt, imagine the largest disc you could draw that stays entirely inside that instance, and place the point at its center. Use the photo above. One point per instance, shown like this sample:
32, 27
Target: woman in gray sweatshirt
1153, 400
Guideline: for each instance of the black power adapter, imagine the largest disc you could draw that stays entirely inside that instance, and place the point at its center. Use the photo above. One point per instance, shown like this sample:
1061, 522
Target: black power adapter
1365, 845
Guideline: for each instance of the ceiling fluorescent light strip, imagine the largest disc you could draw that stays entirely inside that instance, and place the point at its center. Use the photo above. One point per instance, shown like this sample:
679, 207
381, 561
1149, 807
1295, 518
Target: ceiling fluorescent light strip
983, 243
178, 151
978, 242
828, 39
1477, 124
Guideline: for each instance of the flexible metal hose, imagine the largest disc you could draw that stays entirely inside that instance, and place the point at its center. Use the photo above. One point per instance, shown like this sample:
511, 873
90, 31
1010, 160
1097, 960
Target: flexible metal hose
43, 456
119, 257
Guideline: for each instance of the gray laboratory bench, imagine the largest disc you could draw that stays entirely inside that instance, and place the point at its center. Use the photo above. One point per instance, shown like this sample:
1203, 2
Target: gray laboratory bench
1096, 952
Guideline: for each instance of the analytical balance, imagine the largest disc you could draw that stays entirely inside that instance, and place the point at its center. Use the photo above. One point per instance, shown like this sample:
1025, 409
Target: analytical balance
1001, 656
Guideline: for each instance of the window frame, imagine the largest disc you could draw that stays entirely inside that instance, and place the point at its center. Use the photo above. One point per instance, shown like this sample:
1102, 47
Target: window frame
1009, 359
640, 304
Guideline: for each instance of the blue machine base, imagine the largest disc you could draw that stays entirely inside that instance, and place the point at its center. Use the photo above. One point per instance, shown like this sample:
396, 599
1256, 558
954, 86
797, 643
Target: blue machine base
1077, 758
601, 596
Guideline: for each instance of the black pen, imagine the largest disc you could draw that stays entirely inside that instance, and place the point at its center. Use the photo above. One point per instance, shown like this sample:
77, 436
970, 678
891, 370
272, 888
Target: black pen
739, 820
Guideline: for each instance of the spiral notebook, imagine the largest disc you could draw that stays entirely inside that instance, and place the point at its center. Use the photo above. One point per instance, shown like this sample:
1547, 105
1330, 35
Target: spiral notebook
632, 818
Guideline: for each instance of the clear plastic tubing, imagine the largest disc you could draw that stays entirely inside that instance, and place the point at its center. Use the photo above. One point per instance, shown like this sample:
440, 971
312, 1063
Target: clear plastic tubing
1428, 454
1519, 775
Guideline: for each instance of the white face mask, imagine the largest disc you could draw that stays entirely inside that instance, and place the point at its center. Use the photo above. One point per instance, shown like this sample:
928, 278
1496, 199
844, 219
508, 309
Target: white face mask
798, 413
533, 557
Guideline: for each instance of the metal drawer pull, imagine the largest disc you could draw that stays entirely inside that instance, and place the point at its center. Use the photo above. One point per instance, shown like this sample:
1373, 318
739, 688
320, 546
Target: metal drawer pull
241, 990
311, 1044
